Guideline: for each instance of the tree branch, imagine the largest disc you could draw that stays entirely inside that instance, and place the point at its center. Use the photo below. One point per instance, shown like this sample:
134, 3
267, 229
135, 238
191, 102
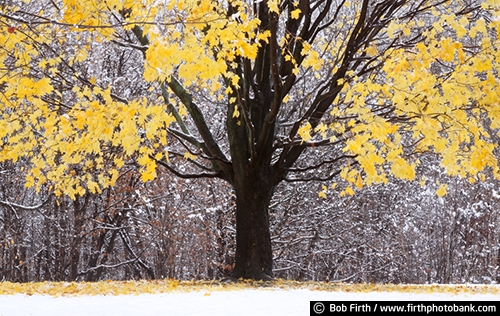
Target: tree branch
270, 117
330, 177
183, 175
24, 207
198, 118
321, 163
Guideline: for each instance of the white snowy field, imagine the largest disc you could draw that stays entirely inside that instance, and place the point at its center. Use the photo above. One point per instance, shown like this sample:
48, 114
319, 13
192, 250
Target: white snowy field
231, 303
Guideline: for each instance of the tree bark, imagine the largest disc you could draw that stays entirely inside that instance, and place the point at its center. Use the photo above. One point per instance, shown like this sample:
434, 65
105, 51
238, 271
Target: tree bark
253, 181
79, 208
254, 258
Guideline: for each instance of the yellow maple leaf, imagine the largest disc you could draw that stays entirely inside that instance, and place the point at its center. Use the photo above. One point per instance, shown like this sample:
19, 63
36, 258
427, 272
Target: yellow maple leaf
42, 87
93, 187
371, 50
392, 28
442, 190
236, 113
359, 182
347, 191
422, 181
305, 132
295, 14
322, 128
273, 6
322, 193
189, 156
402, 169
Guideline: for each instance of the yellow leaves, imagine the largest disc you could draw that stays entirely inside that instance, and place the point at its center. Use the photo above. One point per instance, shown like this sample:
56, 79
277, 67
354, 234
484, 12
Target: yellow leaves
448, 50
442, 190
392, 29
422, 181
264, 36
400, 168
372, 50
108, 287
93, 187
406, 31
323, 192
488, 4
353, 177
119, 162
200, 55
305, 132
436, 105
111, 180
58, 139
149, 173
236, 113
359, 182
28, 88
348, 191
460, 27
482, 65
312, 58
478, 28
482, 157
202, 8
368, 164
42, 87
248, 50
322, 128
356, 145
189, 156
274, 6
428, 85
86, 12
80, 56
148, 166
295, 14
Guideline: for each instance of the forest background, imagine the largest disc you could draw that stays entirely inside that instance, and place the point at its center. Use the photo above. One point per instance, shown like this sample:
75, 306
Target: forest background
427, 212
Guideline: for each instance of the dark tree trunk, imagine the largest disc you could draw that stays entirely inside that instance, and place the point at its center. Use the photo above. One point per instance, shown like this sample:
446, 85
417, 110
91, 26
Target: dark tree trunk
253, 182
103, 250
254, 258
76, 243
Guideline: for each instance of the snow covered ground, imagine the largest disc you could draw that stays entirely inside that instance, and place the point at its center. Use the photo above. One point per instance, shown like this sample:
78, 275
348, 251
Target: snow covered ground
237, 302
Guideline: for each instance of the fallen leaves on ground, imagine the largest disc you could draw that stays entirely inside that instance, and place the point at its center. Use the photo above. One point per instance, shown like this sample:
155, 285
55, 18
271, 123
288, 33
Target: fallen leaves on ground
167, 286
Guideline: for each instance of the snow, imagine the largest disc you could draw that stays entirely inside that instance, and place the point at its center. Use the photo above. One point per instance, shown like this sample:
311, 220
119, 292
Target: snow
220, 303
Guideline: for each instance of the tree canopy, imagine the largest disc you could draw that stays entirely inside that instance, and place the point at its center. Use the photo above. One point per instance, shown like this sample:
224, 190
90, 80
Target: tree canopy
249, 91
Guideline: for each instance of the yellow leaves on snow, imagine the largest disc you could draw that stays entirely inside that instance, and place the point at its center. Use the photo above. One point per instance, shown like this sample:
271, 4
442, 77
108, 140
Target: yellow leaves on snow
58, 289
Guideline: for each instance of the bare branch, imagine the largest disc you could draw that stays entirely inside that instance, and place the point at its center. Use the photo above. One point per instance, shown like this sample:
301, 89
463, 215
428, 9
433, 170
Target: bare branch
183, 175
199, 121
330, 161
327, 178
24, 207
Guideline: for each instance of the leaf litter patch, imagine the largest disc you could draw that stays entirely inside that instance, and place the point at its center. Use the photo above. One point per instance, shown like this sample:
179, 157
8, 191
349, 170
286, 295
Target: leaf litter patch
166, 286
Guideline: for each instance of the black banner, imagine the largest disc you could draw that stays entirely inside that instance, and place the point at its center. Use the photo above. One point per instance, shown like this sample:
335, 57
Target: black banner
423, 307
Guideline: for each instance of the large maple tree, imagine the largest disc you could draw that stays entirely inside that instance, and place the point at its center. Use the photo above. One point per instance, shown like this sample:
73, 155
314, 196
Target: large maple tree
252, 92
